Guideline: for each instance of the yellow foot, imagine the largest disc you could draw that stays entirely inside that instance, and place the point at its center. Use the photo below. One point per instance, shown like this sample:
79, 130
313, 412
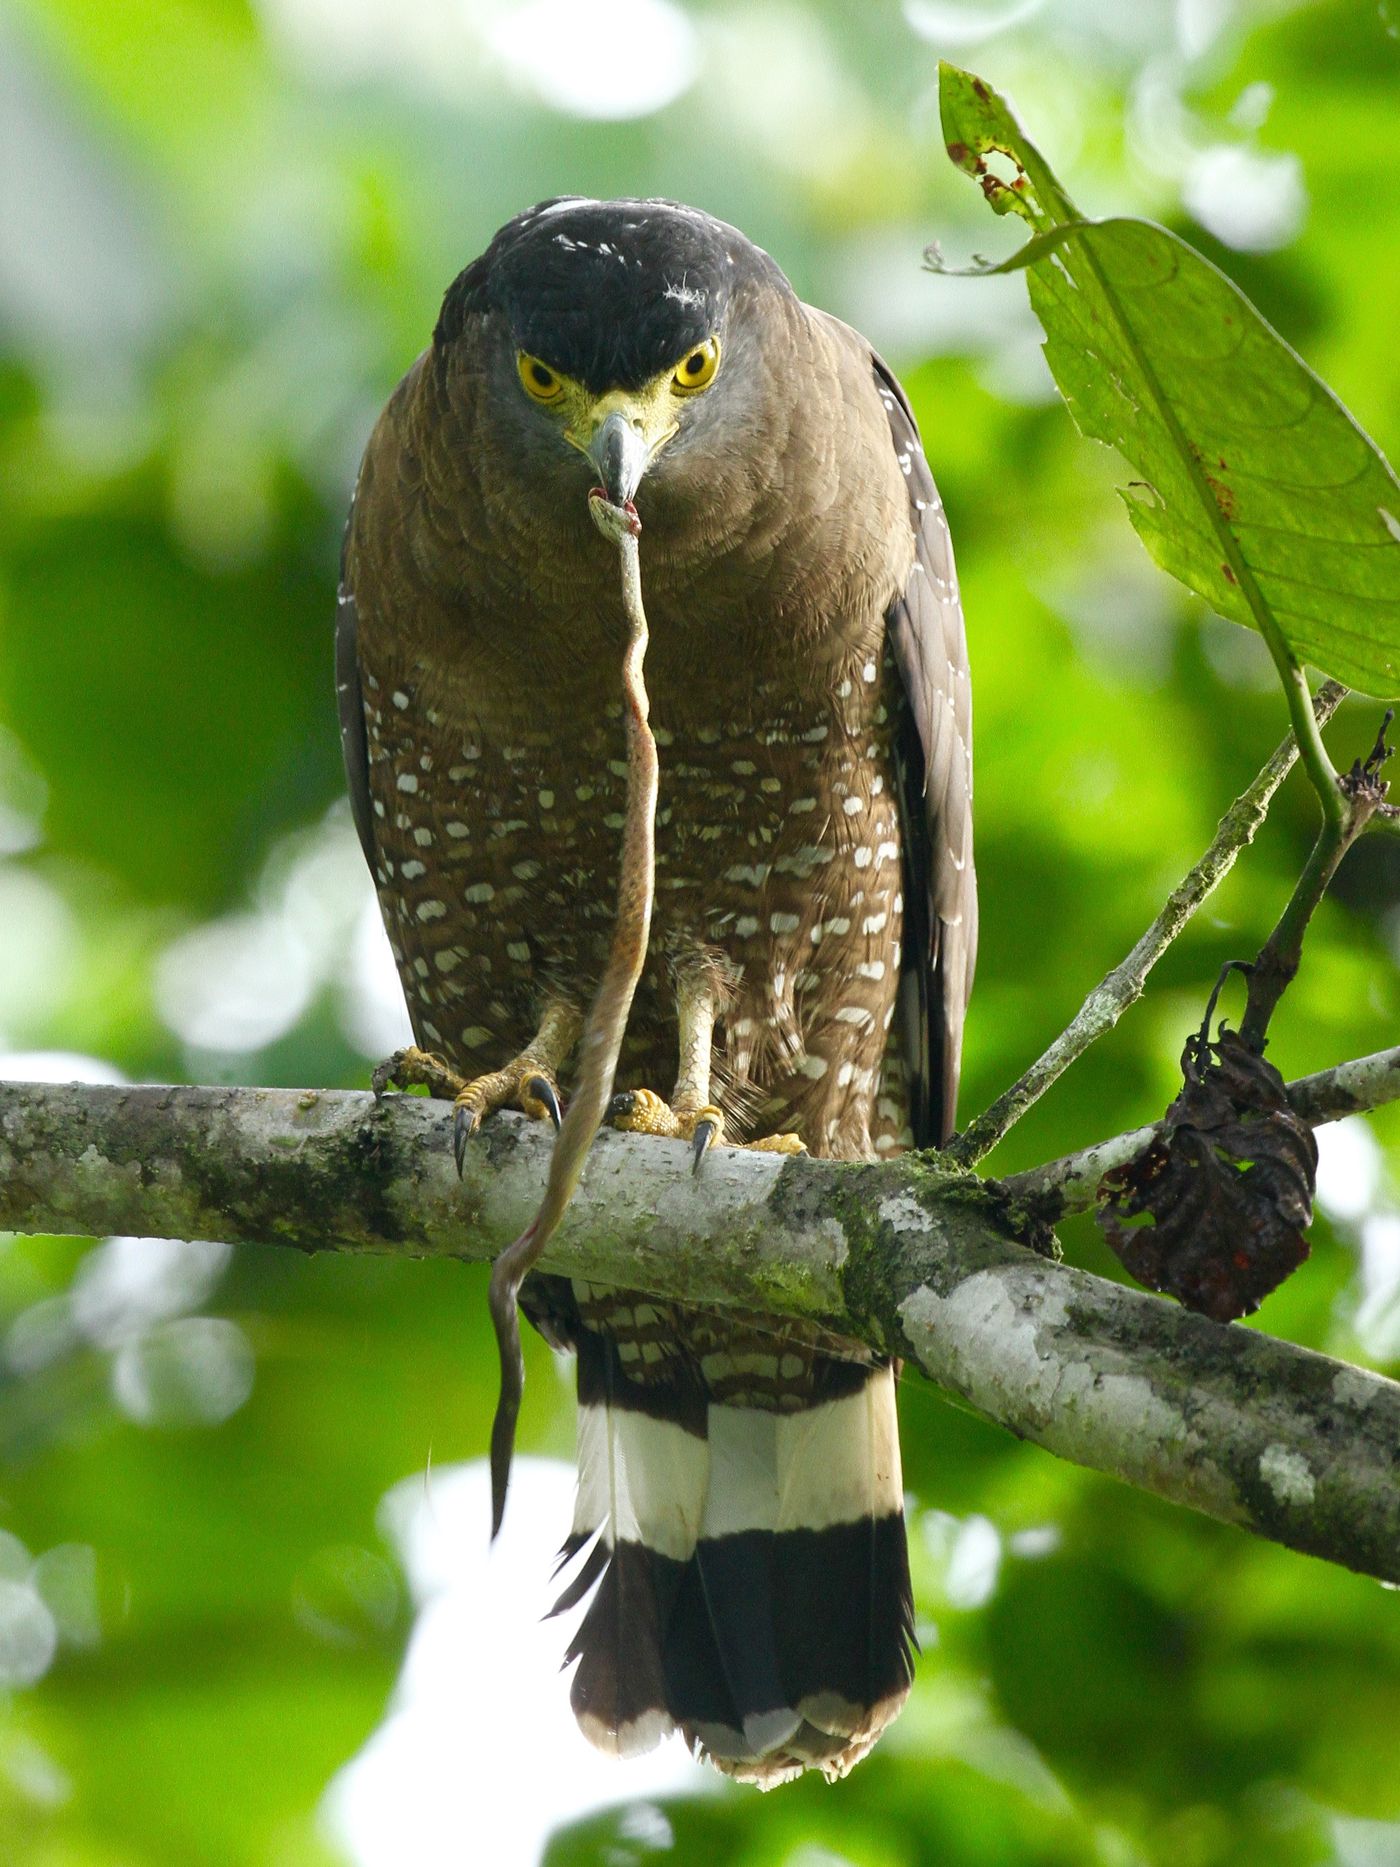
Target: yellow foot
523, 1084
642, 1111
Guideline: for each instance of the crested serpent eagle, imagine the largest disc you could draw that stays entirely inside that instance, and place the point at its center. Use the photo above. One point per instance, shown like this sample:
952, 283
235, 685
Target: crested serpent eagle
739, 1519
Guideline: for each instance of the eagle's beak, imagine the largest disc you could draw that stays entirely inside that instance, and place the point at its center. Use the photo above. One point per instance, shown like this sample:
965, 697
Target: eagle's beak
620, 451
622, 432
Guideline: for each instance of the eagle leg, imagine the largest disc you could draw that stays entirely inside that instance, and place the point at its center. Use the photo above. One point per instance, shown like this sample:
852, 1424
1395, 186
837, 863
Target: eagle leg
691, 1115
529, 1082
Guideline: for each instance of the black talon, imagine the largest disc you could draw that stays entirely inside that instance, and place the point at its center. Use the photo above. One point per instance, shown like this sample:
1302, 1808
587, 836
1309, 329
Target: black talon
544, 1091
465, 1123
705, 1133
622, 1104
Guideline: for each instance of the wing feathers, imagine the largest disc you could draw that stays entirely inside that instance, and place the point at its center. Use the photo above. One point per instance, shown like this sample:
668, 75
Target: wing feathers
354, 741
929, 649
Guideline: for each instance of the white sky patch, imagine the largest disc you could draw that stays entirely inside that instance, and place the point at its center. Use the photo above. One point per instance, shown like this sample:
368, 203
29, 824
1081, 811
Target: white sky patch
65, 1578
1164, 134
1199, 24
877, 281
1377, 1320
28, 1635
83, 284
1352, 1190
1039, 1540
56, 1066
130, 1298
23, 796
1238, 656
1359, 1842
42, 1603
1252, 201
124, 1285
974, 1563
234, 985
479, 1739
605, 59
602, 59
780, 85
432, 45
41, 947
969, 1552
18, 832
239, 983
1121, 611
196, 1371
1348, 1168
1380, 1254
1252, 106
947, 26
373, 1014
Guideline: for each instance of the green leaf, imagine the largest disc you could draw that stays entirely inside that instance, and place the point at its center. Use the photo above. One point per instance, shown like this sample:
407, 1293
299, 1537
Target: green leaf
1257, 489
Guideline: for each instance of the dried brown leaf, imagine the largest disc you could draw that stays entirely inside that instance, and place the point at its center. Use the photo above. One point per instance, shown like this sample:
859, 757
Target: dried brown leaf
1215, 1208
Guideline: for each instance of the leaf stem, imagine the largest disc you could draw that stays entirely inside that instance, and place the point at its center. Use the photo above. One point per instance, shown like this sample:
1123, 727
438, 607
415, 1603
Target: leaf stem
1307, 730
1359, 795
1277, 965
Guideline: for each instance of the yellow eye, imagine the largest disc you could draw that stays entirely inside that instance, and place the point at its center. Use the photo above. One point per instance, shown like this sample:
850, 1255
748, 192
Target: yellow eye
697, 369
540, 381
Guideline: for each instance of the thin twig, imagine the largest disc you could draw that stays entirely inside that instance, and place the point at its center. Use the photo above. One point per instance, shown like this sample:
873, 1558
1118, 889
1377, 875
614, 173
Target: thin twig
1070, 1184
607, 1020
1108, 1001
1358, 796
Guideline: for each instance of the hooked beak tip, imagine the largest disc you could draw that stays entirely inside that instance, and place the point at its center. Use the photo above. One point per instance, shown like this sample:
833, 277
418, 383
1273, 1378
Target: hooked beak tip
620, 453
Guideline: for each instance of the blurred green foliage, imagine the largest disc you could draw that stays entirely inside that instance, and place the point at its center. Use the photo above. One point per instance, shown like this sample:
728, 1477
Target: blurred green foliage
224, 231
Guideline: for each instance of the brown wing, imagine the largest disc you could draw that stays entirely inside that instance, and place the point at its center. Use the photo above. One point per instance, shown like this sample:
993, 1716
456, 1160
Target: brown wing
384, 455
354, 745
933, 749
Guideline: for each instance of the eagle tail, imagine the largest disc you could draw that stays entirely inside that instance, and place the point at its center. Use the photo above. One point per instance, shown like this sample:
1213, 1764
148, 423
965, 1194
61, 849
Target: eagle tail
752, 1578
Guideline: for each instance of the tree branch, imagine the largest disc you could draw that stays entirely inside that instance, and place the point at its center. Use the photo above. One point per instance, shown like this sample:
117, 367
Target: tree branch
1118, 989
927, 1264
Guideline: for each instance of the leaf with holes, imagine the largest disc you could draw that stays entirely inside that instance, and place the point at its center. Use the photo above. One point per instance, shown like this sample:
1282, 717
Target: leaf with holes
1214, 1209
1258, 490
